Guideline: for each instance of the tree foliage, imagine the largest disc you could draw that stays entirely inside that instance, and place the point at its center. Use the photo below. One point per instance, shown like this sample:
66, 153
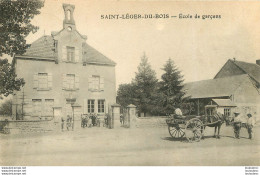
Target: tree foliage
6, 108
125, 94
171, 87
15, 24
8, 80
145, 85
153, 97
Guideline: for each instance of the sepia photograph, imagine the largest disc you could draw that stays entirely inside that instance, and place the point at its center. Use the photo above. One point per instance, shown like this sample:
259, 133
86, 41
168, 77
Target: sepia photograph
129, 83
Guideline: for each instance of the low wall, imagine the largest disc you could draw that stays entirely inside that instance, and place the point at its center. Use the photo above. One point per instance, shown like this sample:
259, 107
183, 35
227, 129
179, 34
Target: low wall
32, 126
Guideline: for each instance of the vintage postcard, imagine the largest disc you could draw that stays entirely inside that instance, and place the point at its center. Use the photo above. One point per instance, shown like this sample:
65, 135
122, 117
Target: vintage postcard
129, 83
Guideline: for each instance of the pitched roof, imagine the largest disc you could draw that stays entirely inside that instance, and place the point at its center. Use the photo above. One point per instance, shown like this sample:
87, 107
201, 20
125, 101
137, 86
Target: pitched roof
224, 102
220, 87
43, 48
252, 69
95, 57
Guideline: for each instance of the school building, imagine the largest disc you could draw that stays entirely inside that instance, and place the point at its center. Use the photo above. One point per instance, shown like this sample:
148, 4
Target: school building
63, 69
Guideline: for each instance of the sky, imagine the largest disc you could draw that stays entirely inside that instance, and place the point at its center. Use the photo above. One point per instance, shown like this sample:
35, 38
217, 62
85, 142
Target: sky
198, 47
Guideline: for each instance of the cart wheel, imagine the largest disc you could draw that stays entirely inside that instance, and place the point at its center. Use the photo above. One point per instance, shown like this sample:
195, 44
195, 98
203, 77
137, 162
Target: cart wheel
194, 130
175, 132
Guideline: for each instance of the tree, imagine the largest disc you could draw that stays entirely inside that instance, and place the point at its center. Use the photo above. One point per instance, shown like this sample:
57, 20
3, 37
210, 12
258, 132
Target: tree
125, 94
15, 24
8, 80
145, 85
171, 87
6, 108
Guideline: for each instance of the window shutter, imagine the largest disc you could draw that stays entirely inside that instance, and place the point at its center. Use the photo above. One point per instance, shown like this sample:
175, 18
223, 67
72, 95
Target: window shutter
64, 81
90, 82
85, 108
50, 80
35, 81
27, 106
76, 82
76, 55
102, 83
64, 53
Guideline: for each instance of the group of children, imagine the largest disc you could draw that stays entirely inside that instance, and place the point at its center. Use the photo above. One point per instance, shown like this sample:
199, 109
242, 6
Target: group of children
89, 120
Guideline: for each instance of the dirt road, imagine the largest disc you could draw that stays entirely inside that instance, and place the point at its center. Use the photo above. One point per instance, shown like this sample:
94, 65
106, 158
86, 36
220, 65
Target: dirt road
148, 145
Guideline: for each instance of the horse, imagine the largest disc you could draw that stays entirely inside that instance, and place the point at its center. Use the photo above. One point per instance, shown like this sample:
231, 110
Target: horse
214, 121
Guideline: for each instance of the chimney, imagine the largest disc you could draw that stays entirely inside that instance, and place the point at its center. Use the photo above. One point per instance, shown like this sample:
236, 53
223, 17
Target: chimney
257, 62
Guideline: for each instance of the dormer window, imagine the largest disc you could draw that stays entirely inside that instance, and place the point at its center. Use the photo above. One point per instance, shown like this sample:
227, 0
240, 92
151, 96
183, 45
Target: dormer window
70, 54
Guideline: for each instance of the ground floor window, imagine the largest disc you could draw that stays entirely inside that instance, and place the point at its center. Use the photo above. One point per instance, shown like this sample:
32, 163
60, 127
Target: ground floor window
48, 107
226, 111
37, 107
101, 106
91, 106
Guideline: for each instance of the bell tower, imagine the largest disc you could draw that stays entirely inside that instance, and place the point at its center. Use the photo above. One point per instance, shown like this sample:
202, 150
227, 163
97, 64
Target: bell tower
68, 22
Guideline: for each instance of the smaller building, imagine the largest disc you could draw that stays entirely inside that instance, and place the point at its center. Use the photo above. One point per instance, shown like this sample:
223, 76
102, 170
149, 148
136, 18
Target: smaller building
224, 106
226, 93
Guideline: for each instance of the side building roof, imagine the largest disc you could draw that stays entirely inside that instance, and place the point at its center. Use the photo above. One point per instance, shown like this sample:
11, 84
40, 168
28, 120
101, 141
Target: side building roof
43, 48
214, 88
252, 69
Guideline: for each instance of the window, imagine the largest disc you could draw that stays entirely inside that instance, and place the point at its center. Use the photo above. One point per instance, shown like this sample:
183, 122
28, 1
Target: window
91, 106
70, 81
37, 107
48, 107
70, 54
101, 106
227, 112
42, 80
96, 83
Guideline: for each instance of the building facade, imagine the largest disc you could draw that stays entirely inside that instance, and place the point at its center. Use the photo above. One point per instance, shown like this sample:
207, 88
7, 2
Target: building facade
236, 83
61, 70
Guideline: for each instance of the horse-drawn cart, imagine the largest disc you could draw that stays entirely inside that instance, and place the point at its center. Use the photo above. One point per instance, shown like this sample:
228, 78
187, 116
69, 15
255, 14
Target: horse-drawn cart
191, 127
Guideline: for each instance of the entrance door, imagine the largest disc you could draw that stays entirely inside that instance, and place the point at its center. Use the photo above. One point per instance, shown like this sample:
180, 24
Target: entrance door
68, 109
57, 115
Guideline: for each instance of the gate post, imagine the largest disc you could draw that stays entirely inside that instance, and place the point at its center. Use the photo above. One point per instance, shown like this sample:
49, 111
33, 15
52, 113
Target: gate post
131, 110
116, 115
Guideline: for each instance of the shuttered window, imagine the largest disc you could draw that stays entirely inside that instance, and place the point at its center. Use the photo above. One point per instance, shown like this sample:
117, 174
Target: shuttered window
96, 83
70, 82
37, 107
42, 81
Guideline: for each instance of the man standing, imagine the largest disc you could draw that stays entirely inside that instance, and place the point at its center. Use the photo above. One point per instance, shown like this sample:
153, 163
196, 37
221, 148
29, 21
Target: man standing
237, 124
250, 125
